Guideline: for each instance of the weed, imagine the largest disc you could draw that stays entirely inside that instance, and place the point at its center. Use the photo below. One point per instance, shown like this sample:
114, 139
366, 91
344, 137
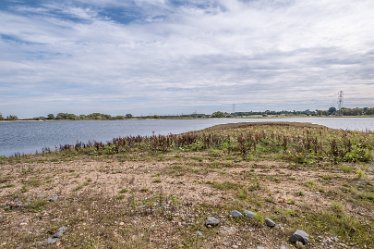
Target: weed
360, 173
124, 190
36, 205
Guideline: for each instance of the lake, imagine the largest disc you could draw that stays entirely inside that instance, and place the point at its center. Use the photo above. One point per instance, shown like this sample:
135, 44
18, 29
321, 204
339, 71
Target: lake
28, 137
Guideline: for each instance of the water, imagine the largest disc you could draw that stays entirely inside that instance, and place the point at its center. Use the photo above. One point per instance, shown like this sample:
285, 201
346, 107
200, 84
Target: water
28, 137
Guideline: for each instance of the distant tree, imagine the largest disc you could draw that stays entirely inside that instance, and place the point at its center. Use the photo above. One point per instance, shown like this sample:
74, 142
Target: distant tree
64, 116
219, 114
128, 115
331, 111
51, 116
1, 117
11, 117
321, 112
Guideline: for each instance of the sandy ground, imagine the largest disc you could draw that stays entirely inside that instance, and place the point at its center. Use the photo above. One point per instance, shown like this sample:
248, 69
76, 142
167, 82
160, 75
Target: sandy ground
152, 204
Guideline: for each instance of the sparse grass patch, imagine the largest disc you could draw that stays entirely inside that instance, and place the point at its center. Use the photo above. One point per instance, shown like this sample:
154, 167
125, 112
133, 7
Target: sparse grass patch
336, 222
311, 183
225, 185
33, 182
123, 190
36, 205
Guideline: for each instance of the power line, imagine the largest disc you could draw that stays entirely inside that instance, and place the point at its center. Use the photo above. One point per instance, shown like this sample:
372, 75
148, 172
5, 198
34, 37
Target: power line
340, 101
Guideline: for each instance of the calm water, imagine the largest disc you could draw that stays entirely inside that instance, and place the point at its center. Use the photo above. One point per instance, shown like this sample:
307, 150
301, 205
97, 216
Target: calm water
28, 137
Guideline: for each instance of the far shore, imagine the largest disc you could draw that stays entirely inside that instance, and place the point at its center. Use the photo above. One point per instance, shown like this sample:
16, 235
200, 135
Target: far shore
188, 118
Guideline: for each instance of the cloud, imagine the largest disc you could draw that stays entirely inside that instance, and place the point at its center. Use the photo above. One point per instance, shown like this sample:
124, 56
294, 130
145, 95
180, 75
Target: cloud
153, 55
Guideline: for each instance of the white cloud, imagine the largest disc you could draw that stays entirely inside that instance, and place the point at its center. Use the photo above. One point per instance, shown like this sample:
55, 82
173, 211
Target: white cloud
227, 52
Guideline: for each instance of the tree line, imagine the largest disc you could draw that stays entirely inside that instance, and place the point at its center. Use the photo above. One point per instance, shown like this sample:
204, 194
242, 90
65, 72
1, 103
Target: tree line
9, 117
332, 111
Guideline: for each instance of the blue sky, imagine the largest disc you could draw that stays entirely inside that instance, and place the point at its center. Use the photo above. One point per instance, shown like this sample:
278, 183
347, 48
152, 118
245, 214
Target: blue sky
169, 57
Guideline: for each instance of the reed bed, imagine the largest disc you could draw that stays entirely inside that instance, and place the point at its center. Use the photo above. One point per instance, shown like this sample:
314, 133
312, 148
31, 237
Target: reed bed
296, 142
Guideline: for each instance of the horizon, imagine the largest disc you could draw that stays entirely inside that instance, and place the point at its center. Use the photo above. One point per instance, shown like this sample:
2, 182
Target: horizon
185, 114
158, 57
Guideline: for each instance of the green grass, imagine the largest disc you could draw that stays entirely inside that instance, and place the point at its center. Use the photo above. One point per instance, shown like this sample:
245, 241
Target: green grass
225, 185
36, 205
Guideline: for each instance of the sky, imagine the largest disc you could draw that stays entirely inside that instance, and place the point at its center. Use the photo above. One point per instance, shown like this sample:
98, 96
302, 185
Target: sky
182, 56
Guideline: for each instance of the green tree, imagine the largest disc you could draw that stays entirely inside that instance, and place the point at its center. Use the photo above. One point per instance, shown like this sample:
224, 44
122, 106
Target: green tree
51, 116
219, 114
128, 115
1, 116
331, 111
11, 117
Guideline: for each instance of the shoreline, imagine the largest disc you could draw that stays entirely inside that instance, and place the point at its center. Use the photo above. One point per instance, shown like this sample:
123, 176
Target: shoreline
150, 118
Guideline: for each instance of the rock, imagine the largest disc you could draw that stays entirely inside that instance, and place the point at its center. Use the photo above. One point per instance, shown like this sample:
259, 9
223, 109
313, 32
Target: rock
299, 245
199, 234
53, 198
212, 221
260, 247
300, 236
269, 222
249, 214
236, 214
15, 204
122, 223
283, 247
53, 239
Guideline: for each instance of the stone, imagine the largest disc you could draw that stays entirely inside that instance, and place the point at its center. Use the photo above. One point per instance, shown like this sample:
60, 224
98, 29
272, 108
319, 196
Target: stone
236, 214
301, 236
53, 239
15, 204
212, 221
282, 247
199, 234
299, 245
260, 247
269, 222
53, 198
249, 214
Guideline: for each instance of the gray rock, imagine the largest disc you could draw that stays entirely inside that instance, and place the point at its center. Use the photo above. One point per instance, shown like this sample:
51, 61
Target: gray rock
269, 222
236, 214
212, 221
53, 239
283, 247
199, 234
299, 245
15, 204
53, 198
260, 247
249, 214
300, 236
